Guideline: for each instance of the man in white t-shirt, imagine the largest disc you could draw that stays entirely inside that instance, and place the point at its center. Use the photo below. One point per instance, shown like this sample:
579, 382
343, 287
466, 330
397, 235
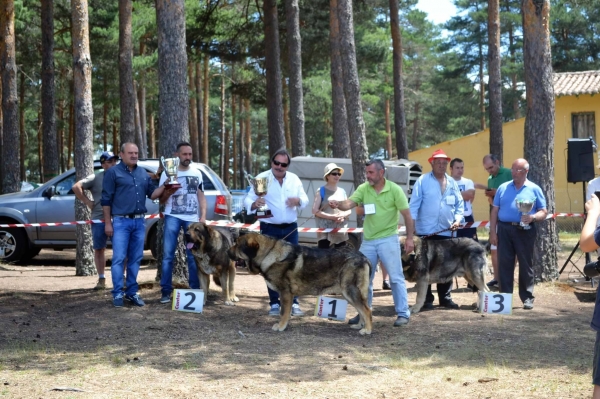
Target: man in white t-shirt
467, 189
183, 206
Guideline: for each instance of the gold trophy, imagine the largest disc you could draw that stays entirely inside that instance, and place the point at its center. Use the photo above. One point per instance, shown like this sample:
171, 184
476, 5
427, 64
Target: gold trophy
525, 206
170, 165
261, 185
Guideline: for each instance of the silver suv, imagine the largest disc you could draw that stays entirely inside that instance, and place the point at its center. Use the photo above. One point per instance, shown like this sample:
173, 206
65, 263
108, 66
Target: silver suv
53, 202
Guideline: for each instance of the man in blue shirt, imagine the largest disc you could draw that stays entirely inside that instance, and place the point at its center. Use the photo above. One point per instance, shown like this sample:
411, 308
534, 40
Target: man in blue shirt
511, 238
437, 207
124, 191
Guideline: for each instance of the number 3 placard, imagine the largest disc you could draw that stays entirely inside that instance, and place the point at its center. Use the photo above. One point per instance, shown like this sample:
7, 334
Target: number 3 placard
188, 300
495, 303
331, 308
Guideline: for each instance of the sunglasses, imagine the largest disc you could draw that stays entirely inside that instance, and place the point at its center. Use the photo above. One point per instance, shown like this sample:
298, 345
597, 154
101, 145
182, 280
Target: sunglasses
282, 164
335, 174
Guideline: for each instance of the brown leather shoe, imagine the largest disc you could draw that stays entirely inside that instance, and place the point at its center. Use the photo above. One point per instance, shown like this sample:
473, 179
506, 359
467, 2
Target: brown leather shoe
101, 285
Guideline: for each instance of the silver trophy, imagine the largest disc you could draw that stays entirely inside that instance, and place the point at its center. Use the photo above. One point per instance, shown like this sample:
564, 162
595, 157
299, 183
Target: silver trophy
170, 165
524, 206
261, 186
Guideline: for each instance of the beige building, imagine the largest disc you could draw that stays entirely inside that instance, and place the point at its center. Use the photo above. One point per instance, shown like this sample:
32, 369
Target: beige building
577, 104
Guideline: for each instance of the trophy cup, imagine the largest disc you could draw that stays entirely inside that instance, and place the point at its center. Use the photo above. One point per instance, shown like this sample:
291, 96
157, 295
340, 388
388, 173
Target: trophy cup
170, 166
261, 185
524, 206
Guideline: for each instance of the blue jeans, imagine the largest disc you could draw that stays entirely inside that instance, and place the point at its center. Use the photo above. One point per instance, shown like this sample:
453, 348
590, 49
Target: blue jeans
278, 232
128, 243
388, 251
171, 233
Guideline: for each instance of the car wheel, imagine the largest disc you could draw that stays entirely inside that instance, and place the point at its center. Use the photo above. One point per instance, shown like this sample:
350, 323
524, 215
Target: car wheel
152, 243
13, 243
353, 241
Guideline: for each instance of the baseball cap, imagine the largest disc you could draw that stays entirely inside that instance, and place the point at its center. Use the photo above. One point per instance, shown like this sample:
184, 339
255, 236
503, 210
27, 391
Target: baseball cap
107, 155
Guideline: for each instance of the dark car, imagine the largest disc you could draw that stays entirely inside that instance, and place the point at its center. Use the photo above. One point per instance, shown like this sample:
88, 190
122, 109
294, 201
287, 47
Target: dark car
53, 202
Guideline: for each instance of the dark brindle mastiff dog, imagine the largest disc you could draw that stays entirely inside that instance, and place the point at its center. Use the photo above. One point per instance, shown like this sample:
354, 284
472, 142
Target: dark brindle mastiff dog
439, 261
298, 270
209, 246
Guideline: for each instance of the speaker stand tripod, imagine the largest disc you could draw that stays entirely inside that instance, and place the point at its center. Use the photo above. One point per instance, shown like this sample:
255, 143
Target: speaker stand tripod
587, 255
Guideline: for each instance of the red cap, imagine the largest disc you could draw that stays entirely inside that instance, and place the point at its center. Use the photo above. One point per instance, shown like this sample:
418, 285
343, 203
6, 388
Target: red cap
439, 154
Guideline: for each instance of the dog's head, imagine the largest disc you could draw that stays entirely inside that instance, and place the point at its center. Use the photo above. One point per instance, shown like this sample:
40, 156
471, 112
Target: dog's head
197, 236
246, 248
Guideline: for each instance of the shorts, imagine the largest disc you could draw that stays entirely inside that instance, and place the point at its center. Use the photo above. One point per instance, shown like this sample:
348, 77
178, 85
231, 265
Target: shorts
596, 369
99, 236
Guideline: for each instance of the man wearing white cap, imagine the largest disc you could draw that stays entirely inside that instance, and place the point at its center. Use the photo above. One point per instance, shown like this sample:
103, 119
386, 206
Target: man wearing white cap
437, 207
94, 183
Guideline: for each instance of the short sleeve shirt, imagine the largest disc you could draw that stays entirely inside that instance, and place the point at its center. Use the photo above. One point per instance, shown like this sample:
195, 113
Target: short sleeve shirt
183, 204
503, 176
94, 183
391, 200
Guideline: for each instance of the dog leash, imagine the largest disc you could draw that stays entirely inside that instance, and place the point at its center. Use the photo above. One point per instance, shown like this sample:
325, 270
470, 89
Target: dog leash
297, 227
434, 234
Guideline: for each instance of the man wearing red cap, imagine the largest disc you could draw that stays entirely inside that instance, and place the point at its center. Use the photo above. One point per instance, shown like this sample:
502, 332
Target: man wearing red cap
437, 207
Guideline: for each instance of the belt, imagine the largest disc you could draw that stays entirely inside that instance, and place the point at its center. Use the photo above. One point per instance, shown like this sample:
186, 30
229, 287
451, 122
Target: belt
517, 225
131, 216
280, 226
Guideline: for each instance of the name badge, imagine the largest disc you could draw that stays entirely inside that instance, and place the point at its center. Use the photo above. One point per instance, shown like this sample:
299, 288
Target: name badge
450, 200
369, 209
188, 301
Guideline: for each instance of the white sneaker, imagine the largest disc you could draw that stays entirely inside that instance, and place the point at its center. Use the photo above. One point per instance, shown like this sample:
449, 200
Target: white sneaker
274, 311
296, 311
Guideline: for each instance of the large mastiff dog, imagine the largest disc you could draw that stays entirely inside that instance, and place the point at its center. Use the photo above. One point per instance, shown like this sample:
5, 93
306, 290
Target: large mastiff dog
298, 270
440, 261
209, 246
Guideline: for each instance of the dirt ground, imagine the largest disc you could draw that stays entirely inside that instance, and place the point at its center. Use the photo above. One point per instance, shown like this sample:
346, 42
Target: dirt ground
61, 339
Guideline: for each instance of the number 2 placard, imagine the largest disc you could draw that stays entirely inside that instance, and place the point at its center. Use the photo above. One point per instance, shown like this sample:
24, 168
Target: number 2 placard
331, 308
188, 300
495, 303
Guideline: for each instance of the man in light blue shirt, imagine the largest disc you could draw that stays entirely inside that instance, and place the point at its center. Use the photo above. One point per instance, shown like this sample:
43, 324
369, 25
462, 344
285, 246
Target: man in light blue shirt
437, 207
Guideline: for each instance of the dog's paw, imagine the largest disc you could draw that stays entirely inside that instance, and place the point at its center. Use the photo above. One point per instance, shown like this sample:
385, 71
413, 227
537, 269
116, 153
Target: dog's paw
415, 310
277, 328
364, 331
229, 303
234, 299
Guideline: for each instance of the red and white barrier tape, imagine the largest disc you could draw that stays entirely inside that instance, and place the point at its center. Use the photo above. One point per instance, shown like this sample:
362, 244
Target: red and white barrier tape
256, 227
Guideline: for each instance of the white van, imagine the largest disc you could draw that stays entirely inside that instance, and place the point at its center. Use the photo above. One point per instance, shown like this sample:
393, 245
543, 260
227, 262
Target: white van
310, 171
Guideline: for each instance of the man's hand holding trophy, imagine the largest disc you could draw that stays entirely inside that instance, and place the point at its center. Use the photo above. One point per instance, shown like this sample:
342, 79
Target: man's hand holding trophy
171, 165
261, 186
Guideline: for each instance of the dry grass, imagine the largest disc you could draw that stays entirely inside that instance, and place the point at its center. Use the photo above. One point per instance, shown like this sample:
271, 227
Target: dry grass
72, 337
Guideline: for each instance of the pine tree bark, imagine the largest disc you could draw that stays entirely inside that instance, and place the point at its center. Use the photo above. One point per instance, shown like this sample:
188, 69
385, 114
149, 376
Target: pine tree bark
294, 42
341, 137
197, 146
11, 179
356, 124
273, 72
48, 93
105, 117
126, 90
248, 136
23, 133
388, 128
495, 80
84, 122
234, 141
399, 112
173, 95
539, 127
193, 113
286, 115
222, 135
242, 146
206, 112
141, 101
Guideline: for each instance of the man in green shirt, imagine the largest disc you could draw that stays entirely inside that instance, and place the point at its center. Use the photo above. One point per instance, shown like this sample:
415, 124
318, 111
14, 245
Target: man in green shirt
498, 175
382, 200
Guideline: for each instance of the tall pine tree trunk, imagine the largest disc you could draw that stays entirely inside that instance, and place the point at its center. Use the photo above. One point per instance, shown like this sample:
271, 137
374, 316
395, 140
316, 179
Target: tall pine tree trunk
84, 122
141, 100
341, 138
11, 179
197, 146
173, 96
539, 127
48, 93
23, 133
388, 128
356, 124
126, 90
193, 112
234, 141
105, 118
273, 72
222, 136
248, 136
205, 113
494, 81
399, 112
294, 42
242, 146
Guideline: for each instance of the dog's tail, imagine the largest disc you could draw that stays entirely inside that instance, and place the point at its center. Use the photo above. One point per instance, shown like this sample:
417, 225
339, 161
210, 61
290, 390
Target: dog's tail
217, 279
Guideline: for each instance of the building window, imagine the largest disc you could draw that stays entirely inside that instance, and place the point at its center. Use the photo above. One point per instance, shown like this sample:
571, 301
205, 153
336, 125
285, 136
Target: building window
584, 125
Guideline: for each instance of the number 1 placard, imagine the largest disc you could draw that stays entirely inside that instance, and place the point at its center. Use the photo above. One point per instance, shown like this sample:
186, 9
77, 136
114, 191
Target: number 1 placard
331, 308
188, 300
495, 303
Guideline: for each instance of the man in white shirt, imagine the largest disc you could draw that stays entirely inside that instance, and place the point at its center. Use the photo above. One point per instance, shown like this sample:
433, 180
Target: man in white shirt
467, 190
285, 196
183, 206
